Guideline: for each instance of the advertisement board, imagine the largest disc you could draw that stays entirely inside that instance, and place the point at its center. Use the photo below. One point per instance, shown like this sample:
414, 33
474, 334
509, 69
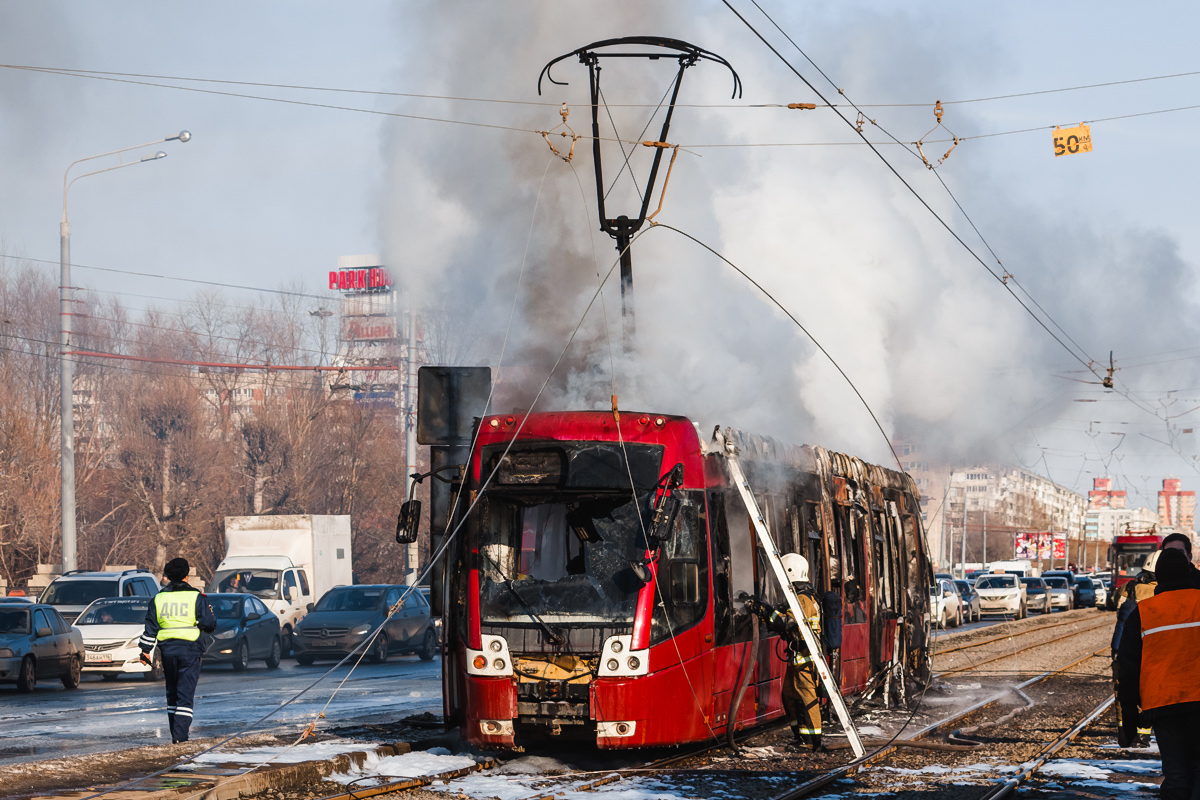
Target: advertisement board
1036, 545
368, 329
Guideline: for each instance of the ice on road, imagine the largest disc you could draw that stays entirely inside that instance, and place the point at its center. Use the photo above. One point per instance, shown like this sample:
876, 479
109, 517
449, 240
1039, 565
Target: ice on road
98, 716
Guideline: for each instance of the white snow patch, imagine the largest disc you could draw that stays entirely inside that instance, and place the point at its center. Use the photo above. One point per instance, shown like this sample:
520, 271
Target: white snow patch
317, 751
939, 769
1073, 769
433, 761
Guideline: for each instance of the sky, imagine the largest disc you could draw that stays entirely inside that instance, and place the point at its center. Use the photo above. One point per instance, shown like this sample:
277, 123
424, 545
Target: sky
489, 225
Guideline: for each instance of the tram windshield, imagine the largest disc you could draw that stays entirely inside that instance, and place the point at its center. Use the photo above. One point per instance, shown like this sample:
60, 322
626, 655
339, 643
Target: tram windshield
1131, 559
566, 560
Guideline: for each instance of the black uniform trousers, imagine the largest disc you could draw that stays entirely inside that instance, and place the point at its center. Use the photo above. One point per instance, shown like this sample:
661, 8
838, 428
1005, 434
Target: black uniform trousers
181, 667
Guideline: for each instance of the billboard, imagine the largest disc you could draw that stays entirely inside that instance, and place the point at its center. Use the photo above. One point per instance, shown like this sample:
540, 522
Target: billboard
368, 329
1035, 545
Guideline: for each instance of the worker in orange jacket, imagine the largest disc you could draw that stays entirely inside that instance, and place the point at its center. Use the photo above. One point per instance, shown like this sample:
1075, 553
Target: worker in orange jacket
1159, 651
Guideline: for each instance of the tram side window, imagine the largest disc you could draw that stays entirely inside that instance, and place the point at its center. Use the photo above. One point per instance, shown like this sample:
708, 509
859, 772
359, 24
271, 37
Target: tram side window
682, 591
719, 545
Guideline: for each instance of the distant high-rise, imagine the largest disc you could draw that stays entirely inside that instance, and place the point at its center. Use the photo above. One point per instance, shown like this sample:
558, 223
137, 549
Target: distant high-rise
1102, 495
1176, 508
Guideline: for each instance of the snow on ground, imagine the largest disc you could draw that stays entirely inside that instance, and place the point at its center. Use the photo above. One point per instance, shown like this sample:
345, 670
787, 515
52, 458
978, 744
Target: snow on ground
316, 751
965, 769
433, 761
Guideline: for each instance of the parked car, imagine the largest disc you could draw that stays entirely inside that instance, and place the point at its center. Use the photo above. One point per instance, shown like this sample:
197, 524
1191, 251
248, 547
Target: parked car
1101, 591
36, 643
1037, 595
943, 576
970, 599
945, 604
1061, 595
246, 630
111, 628
74, 591
345, 615
1085, 592
1002, 594
1069, 575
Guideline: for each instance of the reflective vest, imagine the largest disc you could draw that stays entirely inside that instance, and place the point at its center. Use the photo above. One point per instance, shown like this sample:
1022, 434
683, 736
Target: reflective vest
176, 615
1170, 648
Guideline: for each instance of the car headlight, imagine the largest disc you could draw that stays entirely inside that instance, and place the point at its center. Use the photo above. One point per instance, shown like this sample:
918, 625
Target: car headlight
360, 630
6, 653
229, 634
133, 642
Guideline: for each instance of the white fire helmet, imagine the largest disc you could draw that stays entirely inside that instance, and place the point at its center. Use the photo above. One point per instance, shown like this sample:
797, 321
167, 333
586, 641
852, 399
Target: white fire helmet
796, 567
1151, 561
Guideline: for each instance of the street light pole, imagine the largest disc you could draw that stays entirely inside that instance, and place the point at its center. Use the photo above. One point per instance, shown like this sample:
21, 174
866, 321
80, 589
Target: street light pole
66, 373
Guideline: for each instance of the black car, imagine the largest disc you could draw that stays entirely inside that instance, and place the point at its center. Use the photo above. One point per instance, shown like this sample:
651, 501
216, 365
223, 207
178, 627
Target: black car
1037, 594
36, 643
1085, 592
970, 600
246, 631
345, 616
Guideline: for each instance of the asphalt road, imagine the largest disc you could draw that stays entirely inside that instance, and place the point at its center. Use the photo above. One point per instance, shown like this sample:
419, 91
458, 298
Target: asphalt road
101, 716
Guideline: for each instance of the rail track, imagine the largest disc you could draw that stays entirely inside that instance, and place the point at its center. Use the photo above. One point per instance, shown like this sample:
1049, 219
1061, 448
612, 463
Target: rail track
944, 726
1009, 654
1010, 635
883, 748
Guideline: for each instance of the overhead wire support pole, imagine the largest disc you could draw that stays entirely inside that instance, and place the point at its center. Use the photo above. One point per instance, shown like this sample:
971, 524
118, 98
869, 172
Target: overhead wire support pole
622, 227
768, 546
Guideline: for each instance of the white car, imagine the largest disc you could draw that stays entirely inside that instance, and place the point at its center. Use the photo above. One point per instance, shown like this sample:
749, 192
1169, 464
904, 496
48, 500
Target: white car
945, 604
111, 627
1060, 593
1001, 594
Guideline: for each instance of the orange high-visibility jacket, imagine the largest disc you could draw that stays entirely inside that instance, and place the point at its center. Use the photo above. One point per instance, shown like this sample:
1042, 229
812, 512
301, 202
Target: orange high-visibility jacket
1170, 648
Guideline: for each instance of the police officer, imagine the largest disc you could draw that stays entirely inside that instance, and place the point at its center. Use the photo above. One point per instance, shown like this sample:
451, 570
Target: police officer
1159, 651
801, 702
173, 622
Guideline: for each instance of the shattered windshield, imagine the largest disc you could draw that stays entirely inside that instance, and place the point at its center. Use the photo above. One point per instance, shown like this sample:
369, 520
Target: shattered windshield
560, 559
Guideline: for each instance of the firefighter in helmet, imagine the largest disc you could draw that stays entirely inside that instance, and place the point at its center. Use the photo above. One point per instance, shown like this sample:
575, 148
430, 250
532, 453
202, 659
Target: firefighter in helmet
801, 702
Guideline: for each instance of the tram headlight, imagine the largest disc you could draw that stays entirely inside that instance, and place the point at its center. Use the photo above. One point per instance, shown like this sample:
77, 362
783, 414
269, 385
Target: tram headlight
498, 664
634, 662
613, 665
616, 646
495, 646
480, 662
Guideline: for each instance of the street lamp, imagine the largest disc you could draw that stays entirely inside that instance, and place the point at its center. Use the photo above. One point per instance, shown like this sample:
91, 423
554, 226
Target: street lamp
66, 365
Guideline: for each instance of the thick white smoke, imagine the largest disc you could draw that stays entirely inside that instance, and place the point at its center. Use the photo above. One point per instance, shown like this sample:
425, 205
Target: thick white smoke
937, 347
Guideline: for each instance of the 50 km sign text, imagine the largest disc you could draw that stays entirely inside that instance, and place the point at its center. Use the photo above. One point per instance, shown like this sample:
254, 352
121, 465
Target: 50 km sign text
1068, 141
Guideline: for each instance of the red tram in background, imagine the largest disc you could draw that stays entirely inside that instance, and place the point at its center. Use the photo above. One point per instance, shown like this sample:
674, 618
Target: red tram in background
565, 617
1128, 555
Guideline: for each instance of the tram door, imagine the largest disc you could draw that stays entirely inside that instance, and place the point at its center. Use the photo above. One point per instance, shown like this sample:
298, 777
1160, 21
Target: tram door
731, 623
852, 532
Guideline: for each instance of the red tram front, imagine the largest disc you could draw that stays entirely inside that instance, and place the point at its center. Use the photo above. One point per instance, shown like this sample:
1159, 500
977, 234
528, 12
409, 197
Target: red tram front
565, 616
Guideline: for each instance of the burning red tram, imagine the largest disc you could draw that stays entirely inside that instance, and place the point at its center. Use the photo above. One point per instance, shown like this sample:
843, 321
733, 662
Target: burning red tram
573, 609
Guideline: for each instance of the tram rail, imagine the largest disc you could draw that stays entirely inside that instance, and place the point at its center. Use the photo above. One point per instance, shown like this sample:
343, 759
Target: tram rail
976, 665
944, 726
1010, 635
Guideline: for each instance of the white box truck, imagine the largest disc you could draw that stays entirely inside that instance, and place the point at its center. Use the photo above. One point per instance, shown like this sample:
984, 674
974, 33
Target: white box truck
286, 560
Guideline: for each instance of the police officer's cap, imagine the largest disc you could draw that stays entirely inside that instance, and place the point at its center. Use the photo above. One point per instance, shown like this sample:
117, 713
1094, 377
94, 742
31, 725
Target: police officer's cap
177, 569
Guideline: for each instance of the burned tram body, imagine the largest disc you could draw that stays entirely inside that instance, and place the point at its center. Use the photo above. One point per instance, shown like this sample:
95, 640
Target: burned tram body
568, 613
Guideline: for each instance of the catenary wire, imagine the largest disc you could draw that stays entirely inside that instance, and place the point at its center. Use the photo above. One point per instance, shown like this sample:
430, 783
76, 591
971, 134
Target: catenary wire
911, 190
546, 103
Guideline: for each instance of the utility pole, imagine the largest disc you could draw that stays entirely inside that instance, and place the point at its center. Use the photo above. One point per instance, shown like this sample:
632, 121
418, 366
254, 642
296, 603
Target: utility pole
410, 433
946, 545
962, 558
985, 558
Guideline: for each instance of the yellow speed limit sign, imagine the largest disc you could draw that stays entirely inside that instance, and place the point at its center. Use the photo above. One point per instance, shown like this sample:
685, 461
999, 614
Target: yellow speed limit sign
1068, 141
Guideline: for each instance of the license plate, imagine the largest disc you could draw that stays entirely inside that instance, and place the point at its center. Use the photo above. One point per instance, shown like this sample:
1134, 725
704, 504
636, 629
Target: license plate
97, 658
320, 643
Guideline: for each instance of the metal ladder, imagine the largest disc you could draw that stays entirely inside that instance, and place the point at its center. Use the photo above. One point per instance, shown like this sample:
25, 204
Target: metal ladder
768, 545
